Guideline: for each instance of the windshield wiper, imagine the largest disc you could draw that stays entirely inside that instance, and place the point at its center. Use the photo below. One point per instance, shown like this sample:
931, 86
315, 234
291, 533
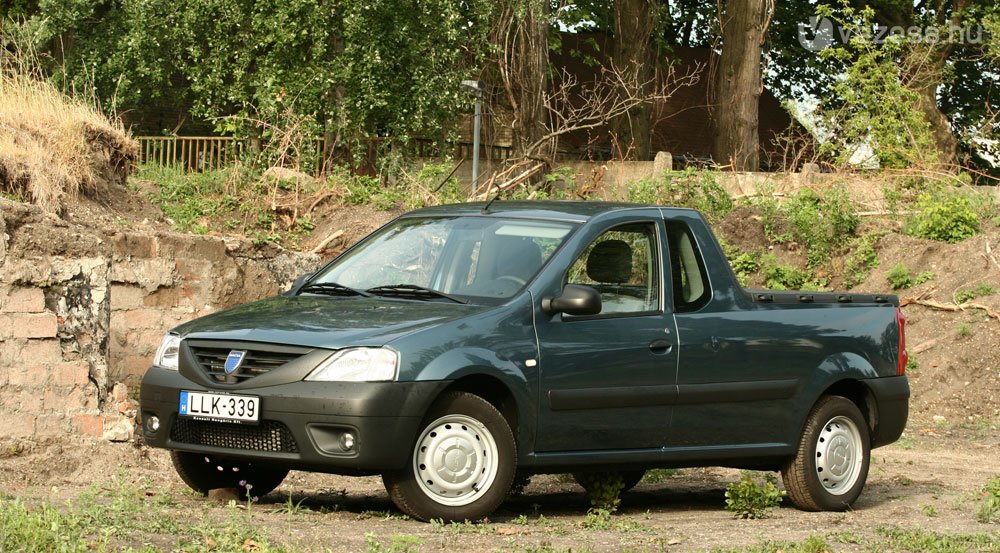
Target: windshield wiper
332, 289
412, 291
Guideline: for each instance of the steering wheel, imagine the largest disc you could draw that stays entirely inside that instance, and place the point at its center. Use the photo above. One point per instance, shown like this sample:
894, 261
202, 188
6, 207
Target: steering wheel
516, 280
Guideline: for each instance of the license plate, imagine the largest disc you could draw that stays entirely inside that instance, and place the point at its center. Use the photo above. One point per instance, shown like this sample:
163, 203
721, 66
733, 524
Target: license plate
219, 407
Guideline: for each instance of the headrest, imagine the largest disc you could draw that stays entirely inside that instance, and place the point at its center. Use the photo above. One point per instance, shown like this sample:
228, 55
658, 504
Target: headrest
610, 262
518, 256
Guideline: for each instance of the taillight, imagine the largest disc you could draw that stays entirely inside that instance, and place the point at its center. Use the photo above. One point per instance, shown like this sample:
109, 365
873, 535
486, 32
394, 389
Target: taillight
903, 356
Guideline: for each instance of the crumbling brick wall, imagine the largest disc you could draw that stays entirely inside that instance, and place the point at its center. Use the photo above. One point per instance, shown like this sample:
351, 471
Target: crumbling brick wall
78, 331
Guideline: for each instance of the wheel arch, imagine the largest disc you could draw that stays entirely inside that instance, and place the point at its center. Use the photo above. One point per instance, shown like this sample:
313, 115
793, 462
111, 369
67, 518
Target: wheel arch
493, 390
859, 394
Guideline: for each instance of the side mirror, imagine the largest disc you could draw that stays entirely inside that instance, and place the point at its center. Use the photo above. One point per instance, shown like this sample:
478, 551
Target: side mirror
294, 289
576, 299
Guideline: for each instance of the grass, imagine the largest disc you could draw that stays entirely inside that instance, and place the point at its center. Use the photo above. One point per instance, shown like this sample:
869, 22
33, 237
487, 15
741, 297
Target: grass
47, 138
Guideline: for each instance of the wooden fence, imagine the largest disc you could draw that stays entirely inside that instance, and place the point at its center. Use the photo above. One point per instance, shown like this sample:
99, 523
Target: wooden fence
209, 153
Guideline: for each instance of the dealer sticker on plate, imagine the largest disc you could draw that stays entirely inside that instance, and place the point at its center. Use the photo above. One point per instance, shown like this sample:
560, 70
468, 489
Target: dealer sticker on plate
219, 407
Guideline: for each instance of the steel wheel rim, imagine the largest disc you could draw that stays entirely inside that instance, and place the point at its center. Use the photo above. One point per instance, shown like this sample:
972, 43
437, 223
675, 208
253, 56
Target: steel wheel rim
839, 455
455, 460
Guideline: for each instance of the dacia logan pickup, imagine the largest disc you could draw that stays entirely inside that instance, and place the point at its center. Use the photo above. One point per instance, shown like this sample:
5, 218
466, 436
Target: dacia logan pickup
459, 346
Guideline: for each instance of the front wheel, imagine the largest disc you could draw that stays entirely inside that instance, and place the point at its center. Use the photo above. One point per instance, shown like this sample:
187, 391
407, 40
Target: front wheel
831, 466
462, 464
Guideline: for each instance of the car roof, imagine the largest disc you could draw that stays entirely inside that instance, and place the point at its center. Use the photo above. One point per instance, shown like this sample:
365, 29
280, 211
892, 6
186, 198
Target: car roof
563, 210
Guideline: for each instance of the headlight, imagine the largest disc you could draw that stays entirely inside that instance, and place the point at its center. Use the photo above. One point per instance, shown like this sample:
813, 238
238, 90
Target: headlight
358, 365
168, 352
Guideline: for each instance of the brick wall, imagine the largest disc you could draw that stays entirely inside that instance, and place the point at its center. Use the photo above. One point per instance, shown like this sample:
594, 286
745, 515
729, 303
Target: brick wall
77, 333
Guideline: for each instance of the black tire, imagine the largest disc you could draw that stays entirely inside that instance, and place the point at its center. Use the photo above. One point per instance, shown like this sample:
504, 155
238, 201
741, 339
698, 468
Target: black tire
630, 479
462, 462
831, 466
207, 472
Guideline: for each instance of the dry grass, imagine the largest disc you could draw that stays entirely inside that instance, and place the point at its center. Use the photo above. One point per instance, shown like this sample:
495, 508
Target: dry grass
53, 146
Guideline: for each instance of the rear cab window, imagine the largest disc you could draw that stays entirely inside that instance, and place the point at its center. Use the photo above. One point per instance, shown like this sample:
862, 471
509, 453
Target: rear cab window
691, 287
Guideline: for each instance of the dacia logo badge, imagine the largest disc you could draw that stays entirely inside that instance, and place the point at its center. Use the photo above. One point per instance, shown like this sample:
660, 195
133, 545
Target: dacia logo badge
235, 361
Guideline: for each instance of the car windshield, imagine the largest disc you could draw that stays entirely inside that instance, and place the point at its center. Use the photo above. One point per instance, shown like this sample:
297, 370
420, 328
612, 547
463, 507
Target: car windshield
444, 259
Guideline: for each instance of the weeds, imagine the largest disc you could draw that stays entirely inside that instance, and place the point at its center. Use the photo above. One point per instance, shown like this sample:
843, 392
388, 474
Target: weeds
689, 188
899, 277
43, 527
989, 507
820, 223
861, 261
964, 330
813, 544
604, 489
659, 476
970, 294
895, 538
778, 276
748, 499
398, 543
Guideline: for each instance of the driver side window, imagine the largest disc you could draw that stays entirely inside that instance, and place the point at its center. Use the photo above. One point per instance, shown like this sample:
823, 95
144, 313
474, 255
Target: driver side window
623, 266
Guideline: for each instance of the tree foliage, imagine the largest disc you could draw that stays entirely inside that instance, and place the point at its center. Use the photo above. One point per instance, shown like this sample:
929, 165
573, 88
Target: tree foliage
362, 67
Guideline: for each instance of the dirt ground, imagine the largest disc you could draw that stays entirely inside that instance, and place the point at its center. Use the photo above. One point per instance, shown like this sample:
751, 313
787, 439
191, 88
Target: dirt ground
930, 480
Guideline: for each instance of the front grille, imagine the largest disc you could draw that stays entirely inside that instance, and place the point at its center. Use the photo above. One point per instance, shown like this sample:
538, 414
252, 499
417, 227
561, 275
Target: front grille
272, 436
255, 363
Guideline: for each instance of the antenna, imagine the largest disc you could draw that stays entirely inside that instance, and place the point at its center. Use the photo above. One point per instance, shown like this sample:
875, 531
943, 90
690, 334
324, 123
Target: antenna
486, 208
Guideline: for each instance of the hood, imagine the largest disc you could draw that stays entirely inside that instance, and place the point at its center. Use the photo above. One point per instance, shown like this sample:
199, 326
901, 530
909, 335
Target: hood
324, 322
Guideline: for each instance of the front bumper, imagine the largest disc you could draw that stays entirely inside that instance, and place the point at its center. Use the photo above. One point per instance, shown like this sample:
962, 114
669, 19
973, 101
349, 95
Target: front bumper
301, 423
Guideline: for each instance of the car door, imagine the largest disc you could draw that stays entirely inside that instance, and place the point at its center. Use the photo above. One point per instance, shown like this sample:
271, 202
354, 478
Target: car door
735, 381
607, 380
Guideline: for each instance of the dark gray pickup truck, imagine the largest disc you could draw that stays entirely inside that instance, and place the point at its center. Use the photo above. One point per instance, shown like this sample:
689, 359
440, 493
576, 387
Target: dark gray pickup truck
458, 345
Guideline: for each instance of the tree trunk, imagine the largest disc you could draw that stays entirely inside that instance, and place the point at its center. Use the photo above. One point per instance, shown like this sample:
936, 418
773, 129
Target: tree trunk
526, 77
744, 27
634, 52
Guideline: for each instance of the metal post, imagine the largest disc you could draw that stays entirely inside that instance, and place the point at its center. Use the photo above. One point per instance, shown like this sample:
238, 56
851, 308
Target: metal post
476, 122
475, 141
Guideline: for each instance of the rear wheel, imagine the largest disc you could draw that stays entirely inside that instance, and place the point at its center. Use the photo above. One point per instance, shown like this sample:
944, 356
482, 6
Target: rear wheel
831, 466
462, 464
207, 472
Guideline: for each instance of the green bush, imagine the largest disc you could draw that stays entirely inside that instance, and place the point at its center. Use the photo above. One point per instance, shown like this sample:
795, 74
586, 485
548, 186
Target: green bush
748, 499
862, 260
784, 277
946, 216
822, 224
745, 265
689, 188
899, 277
604, 489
